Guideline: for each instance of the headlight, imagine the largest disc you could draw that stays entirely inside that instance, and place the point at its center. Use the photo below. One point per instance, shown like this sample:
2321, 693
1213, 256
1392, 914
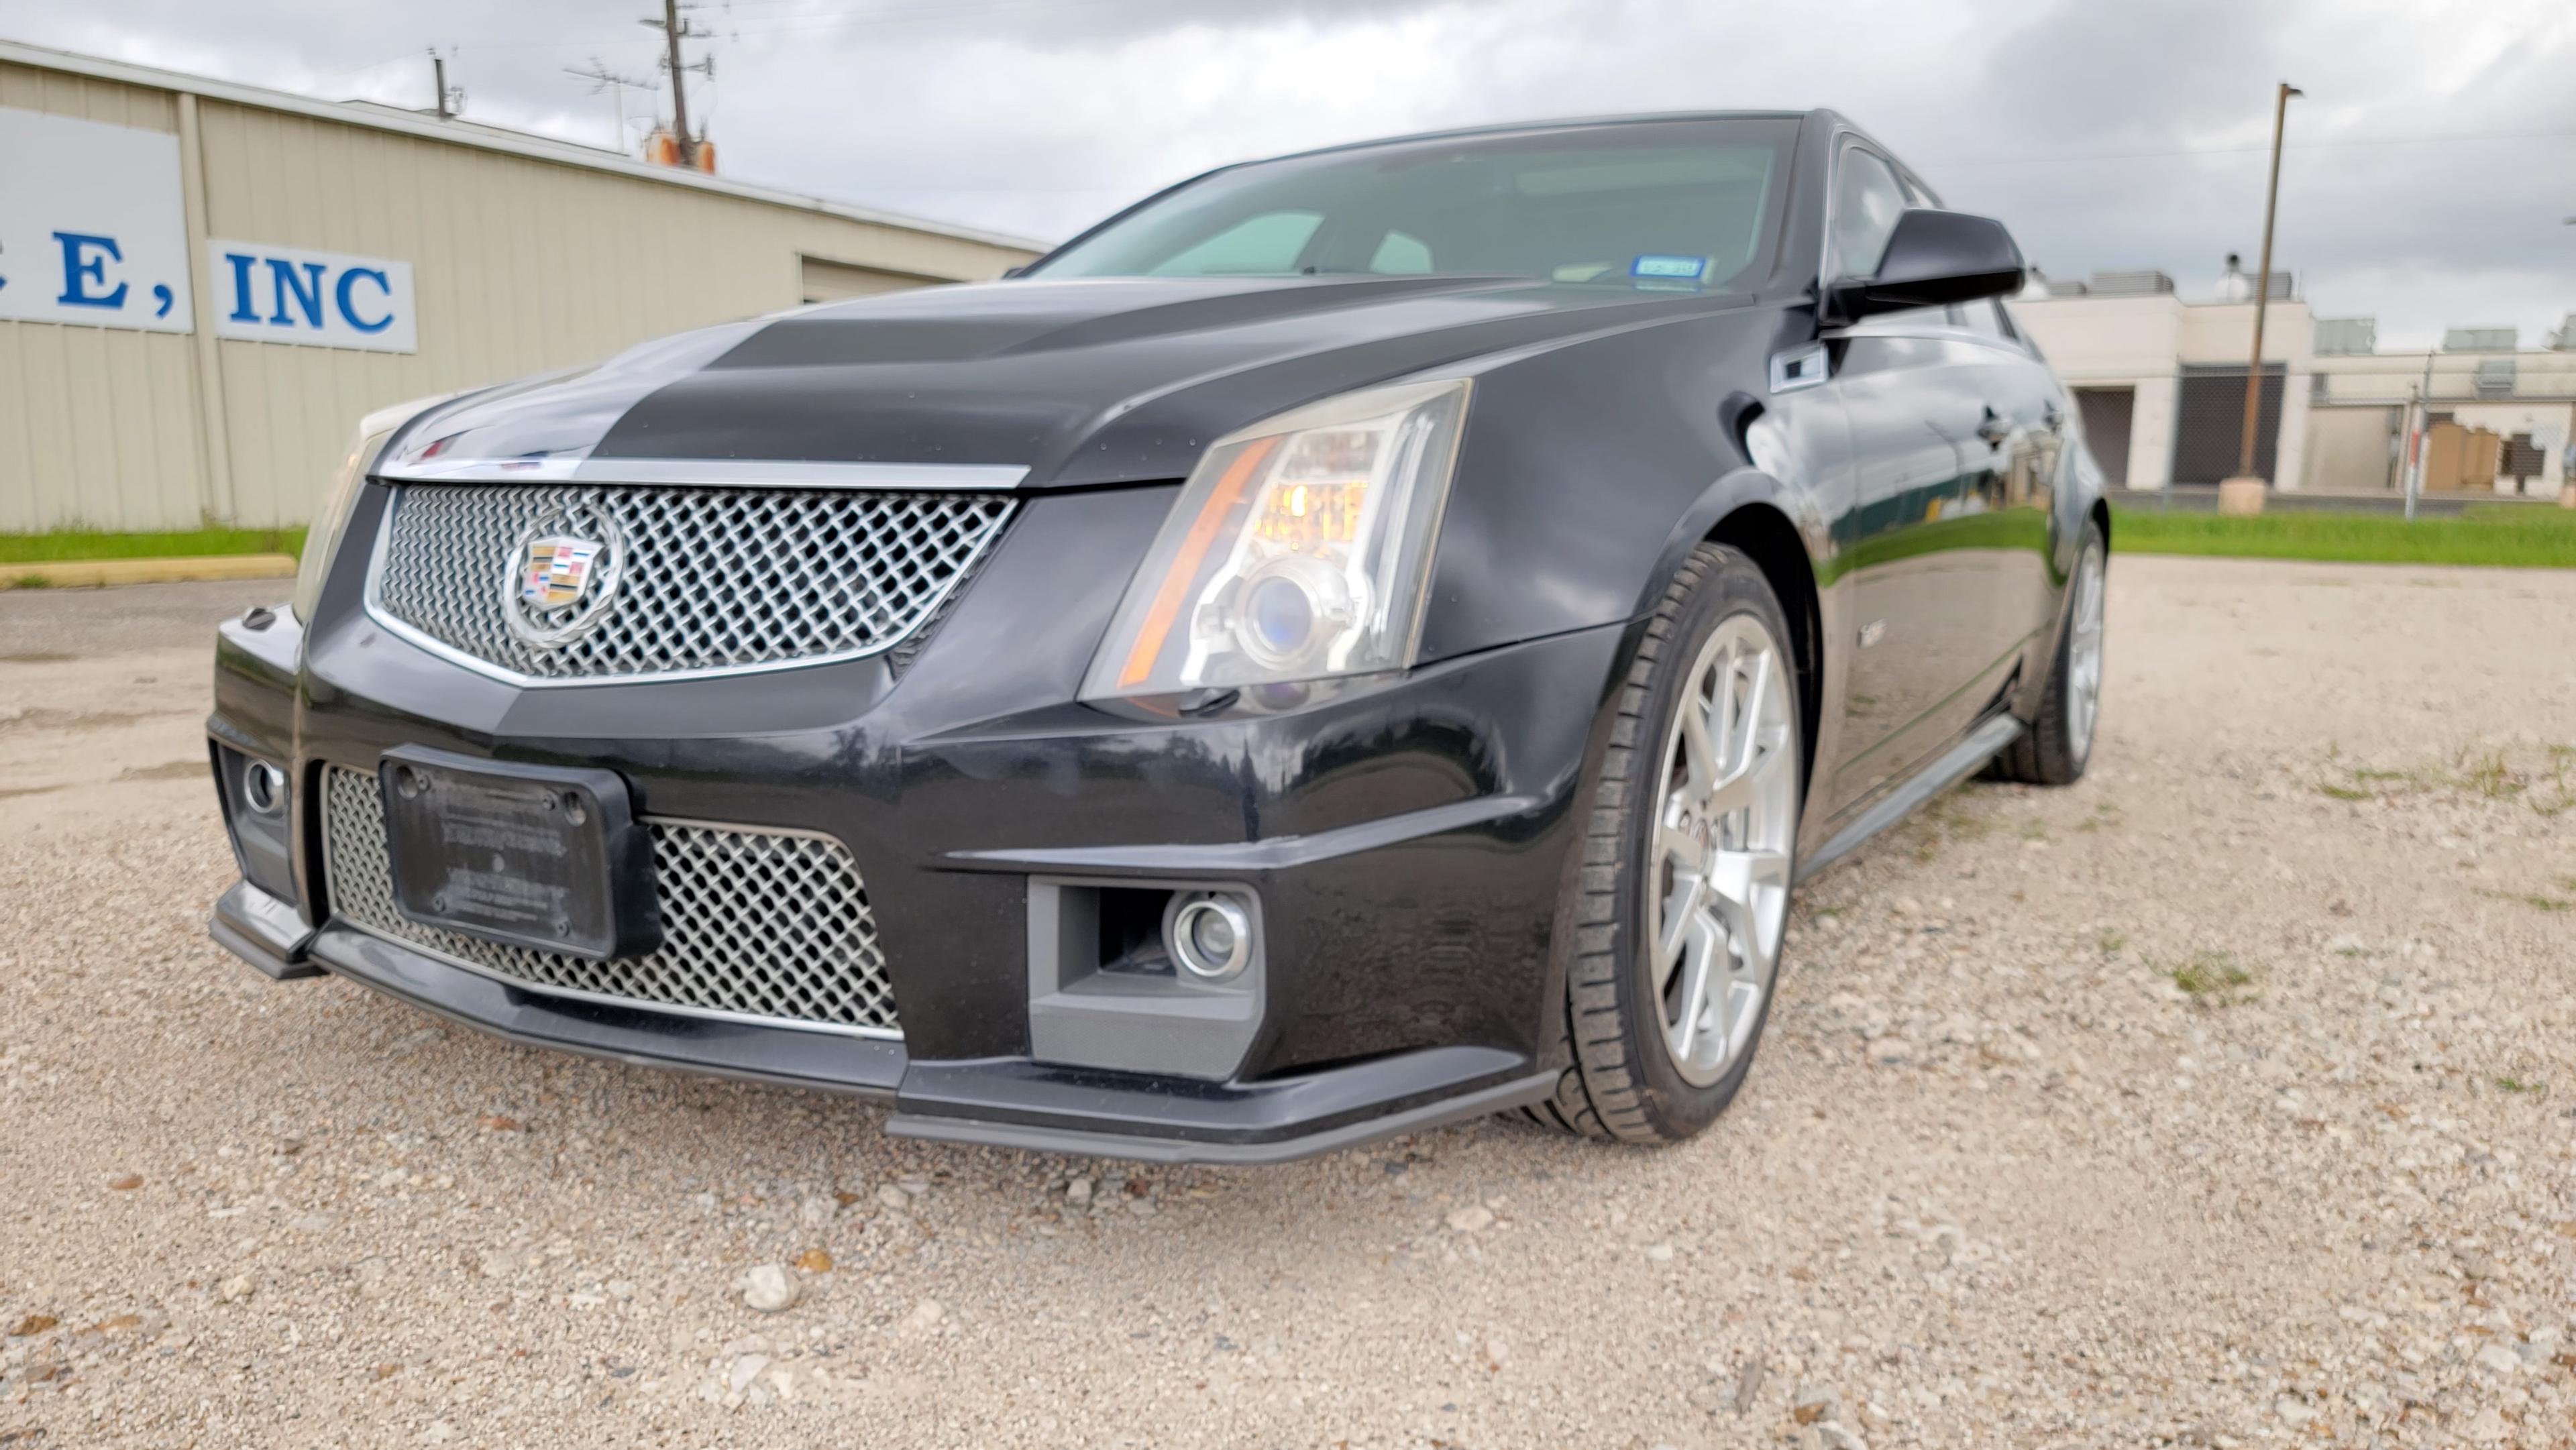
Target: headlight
322, 540
1299, 549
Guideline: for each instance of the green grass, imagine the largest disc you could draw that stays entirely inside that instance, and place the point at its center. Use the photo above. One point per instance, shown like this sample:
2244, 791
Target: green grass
2536, 900
2518, 535
2212, 977
66, 545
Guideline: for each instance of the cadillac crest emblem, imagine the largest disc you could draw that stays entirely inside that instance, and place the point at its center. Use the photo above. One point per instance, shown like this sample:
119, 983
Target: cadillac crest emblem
562, 578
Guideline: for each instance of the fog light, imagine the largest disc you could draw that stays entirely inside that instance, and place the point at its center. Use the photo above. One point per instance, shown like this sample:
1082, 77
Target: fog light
263, 787
1210, 936
255, 795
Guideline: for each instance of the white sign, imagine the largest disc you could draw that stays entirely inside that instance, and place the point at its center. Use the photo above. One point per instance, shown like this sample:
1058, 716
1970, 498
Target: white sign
91, 226
325, 299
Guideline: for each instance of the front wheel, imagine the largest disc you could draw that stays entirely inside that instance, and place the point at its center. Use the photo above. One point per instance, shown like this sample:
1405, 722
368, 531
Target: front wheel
1692, 834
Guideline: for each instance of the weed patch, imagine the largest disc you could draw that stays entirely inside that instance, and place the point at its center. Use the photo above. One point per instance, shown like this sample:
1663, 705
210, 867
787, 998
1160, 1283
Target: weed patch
2213, 977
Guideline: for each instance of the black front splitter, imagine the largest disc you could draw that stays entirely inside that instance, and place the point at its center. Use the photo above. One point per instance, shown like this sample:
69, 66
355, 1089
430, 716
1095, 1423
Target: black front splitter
1005, 1102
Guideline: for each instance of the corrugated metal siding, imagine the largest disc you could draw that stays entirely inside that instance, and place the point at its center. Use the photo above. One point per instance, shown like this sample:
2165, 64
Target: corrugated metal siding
98, 426
520, 265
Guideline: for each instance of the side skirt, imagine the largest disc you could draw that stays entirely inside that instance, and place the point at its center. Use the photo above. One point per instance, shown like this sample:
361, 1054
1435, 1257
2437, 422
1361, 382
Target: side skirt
1973, 750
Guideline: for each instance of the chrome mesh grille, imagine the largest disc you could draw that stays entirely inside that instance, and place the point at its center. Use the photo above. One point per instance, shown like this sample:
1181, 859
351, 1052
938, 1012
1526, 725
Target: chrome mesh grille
704, 578
754, 923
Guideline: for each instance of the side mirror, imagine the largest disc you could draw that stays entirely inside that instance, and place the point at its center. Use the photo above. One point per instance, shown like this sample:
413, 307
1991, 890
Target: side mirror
1933, 258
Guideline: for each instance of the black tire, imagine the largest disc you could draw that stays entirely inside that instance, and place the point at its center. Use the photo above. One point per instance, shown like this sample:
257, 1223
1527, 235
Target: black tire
1621, 1081
2053, 751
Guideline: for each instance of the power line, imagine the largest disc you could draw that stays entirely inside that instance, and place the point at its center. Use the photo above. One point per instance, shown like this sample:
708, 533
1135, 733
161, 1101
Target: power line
2256, 150
794, 24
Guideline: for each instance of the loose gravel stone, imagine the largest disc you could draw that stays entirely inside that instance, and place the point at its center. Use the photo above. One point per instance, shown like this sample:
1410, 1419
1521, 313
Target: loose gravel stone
769, 1288
2031, 1235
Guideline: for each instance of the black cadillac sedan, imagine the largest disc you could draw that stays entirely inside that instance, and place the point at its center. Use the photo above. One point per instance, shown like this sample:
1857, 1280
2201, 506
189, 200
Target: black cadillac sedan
1351, 642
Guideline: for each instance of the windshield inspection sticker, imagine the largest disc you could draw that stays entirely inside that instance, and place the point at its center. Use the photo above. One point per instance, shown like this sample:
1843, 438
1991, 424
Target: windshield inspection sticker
1667, 268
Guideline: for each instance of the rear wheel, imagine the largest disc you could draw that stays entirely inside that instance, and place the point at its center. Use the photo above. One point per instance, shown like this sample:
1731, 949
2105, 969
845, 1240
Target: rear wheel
1692, 833
2059, 744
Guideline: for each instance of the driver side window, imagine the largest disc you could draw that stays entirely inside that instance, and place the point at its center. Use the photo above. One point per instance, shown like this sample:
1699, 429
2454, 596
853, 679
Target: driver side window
1867, 201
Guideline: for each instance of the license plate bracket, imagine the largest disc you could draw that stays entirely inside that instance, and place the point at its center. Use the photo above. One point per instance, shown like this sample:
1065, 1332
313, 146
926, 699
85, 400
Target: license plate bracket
546, 857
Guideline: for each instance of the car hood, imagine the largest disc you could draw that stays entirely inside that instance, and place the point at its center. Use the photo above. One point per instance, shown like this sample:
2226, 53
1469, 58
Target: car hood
1083, 381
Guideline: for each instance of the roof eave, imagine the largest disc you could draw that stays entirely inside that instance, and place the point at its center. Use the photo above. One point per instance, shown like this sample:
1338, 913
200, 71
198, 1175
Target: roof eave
540, 148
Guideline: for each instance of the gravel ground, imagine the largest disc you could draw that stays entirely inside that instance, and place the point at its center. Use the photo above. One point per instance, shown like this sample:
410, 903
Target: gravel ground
2224, 1099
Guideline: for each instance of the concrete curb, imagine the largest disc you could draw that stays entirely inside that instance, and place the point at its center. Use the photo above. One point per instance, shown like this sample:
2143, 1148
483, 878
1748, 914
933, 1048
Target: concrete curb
93, 573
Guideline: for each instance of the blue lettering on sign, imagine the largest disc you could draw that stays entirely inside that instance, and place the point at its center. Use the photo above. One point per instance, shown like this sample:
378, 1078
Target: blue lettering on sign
348, 313
241, 265
307, 294
81, 270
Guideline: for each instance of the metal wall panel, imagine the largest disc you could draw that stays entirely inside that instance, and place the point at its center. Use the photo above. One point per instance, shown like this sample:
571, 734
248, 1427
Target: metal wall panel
98, 425
521, 264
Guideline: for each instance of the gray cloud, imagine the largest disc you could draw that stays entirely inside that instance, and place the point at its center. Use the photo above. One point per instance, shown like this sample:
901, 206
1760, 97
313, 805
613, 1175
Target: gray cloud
2125, 134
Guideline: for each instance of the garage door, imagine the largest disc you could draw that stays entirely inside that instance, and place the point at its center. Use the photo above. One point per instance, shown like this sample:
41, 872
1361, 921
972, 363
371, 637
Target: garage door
827, 281
2107, 413
2209, 423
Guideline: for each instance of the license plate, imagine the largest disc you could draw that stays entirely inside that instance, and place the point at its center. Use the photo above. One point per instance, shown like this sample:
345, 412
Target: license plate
545, 857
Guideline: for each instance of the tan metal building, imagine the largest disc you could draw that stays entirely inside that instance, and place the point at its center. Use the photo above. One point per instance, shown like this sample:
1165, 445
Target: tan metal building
204, 285
2160, 382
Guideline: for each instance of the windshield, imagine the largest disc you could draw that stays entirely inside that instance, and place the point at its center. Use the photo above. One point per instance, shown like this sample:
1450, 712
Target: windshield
1680, 205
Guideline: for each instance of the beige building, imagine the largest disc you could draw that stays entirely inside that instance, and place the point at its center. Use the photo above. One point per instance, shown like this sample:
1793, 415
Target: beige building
2160, 382
203, 285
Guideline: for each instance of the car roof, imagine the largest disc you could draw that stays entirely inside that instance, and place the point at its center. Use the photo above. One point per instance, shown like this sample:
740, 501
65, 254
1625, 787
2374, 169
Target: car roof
1565, 123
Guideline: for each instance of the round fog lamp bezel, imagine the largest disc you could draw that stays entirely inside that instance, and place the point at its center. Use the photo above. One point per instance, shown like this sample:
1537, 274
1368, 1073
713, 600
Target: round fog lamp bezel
263, 787
1180, 940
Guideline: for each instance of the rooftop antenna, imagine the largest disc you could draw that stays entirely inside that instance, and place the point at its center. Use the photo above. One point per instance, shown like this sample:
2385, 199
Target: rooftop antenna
601, 78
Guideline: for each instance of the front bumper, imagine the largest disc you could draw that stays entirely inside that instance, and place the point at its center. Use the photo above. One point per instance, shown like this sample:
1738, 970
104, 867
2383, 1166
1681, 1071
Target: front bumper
1013, 1103
1407, 839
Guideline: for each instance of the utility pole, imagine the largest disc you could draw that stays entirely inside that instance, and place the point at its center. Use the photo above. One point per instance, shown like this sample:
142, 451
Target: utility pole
2420, 438
2243, 494
675, 30
601, 78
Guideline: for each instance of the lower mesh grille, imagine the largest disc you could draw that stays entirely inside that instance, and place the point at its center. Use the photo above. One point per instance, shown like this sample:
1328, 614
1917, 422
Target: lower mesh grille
754, 923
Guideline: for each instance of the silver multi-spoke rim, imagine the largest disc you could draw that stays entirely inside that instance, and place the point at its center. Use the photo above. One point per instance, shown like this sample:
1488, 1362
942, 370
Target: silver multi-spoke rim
1717, 888
2084, 654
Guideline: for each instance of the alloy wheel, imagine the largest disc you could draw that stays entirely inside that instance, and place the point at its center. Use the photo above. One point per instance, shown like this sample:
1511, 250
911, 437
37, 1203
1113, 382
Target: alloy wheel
1718, 881
2084, 655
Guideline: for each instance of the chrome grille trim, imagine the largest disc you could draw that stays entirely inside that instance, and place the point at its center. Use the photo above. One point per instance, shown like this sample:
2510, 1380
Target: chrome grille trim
758, 925
715, 581
707, 472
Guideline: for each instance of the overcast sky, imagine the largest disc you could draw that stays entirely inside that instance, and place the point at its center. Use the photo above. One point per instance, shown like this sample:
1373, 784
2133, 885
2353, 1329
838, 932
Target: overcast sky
2431, 170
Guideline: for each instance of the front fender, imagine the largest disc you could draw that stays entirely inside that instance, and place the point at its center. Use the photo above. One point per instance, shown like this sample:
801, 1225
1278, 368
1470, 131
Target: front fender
2080, 492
